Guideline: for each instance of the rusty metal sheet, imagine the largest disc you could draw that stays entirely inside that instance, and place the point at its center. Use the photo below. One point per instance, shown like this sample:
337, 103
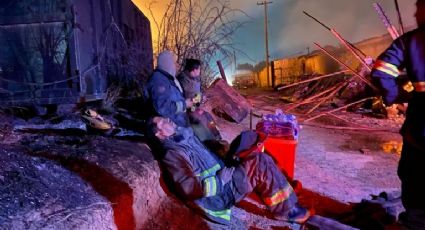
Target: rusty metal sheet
226, 100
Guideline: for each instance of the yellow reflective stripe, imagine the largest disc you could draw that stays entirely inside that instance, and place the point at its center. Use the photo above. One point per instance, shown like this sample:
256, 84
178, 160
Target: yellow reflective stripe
210, 171
224, 214
206, 187
214, 186
210, 186
389, 72
304, 218
419, 86
386, 68
279, 196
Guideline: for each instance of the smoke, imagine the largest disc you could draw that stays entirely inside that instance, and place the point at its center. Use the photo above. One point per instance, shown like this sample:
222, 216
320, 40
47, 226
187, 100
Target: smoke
291, 32
354, 20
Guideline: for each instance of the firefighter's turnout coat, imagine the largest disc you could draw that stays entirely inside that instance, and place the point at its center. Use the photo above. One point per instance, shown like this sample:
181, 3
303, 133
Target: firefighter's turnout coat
408, 51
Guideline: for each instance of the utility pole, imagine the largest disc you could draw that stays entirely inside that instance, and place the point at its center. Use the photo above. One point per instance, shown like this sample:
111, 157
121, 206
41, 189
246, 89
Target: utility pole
265, 3
234, 59
400, 21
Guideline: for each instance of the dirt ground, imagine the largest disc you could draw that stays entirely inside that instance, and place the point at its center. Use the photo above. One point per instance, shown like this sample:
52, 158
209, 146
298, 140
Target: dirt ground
338, 167
50, 181
344, 164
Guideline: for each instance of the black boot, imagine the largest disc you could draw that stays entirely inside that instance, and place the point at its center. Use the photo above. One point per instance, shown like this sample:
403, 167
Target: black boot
297, 214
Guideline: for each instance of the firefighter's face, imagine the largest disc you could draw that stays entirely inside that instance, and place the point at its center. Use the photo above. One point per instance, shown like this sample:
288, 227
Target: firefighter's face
166, 127
196, 72
420, 12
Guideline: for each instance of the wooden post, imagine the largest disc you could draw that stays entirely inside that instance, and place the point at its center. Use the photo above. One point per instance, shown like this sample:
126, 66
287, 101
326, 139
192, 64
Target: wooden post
223, 75
273, 74
250, 119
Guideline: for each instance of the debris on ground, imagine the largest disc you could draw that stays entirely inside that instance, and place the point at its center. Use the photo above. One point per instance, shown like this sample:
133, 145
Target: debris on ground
227, 102
63, 126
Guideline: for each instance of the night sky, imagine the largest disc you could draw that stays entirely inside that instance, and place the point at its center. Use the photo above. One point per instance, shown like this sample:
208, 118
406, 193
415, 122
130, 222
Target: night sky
291, 32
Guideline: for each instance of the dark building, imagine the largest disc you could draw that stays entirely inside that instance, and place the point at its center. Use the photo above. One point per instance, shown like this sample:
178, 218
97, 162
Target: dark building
64, 51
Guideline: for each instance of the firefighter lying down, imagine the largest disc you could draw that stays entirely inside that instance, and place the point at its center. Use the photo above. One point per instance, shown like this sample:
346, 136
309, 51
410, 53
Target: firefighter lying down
203, 180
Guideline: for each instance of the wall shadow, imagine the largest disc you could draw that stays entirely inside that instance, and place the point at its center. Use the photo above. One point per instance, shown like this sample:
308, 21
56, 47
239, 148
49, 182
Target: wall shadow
365, 215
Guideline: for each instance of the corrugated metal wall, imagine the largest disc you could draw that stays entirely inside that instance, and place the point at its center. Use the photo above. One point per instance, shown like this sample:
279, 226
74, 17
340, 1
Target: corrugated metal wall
62, 51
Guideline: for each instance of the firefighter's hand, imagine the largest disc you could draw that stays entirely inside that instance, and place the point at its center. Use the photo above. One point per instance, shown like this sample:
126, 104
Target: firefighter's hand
197, 99
189, 103
225, 174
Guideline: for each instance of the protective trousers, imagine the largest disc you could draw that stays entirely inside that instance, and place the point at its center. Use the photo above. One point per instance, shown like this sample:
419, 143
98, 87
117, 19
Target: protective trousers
411, 171
269, 183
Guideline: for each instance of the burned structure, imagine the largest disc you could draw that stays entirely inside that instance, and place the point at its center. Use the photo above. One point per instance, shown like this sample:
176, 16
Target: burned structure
65, 51
290, 70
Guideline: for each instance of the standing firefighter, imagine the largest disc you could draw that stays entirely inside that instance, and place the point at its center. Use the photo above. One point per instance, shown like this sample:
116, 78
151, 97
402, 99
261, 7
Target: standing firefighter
201, 178
408, 51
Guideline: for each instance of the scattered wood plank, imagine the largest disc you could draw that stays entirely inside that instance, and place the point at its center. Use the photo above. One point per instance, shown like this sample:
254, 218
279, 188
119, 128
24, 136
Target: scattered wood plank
337, 109
308, 100
333, 92
324, 223
313, 79
346, 66
342, 119
350, 128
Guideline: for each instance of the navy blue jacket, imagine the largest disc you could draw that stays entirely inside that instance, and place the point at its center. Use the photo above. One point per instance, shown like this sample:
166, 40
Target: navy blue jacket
408, 51
165, 99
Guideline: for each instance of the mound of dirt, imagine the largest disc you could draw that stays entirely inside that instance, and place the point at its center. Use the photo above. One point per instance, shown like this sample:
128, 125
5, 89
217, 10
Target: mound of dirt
50, 181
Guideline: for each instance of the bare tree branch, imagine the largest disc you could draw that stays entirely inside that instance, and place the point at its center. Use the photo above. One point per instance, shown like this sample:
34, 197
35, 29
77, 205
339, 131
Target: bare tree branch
199, 29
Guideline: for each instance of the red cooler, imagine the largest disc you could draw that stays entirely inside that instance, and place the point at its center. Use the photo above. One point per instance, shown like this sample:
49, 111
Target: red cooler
281, 142
283, 151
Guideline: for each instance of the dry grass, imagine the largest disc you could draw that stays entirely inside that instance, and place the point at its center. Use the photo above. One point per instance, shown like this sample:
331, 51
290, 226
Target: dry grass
113, 93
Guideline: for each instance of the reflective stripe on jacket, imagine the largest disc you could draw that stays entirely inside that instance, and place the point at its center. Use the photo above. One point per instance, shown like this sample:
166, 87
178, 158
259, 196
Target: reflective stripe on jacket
408, 51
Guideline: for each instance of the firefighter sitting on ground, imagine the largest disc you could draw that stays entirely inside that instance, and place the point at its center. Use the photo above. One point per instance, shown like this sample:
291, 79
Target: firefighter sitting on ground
202, 179
163, 92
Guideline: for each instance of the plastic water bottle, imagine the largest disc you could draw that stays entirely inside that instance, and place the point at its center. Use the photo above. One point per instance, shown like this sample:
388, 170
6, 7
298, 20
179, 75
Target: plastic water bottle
278, 112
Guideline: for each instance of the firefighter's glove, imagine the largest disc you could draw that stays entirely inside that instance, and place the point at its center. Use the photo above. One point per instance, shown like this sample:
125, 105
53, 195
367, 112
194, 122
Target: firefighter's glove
197, 99
225, 174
